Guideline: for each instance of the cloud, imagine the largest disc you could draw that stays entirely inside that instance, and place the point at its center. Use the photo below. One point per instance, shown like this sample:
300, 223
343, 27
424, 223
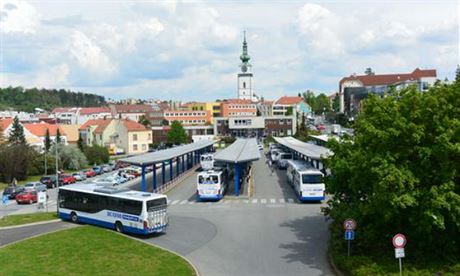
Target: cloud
67, 21
19, 17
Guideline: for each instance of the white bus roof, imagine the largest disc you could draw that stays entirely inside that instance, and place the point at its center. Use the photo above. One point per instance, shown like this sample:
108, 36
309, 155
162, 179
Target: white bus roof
303, 167
112, 191
213, 171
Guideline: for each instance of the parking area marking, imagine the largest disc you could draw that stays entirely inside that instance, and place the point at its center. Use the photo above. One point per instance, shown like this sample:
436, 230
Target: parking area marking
254, 201
183, 202
174, 202
290, 200
282, 200
263, 201
272, 200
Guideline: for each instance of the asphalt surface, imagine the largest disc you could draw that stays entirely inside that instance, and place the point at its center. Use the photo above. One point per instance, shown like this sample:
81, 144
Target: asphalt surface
268, 234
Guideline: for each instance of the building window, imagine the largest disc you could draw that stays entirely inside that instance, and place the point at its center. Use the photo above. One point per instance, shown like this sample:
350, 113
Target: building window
144, 147
244, 85
150, 137
134, 137
134, 147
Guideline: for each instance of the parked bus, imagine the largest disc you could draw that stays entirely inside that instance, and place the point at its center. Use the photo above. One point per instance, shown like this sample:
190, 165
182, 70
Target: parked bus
283, 159
207, 161
306, 181
212, 184
120, 209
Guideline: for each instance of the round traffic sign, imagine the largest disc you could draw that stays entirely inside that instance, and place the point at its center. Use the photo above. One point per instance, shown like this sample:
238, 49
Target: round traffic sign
349, 224
399, 241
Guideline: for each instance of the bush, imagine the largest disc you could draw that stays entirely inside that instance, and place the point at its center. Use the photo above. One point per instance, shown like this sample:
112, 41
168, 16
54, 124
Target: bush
96, 154
70, 157
15, 162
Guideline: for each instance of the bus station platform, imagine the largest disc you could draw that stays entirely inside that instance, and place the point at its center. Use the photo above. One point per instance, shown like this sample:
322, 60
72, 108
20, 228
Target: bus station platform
185, 157
310, 152
239, 155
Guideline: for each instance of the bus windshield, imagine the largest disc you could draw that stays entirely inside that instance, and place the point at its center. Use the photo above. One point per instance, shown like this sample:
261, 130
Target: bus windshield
156, 203
312, 178
211, 179
286, 156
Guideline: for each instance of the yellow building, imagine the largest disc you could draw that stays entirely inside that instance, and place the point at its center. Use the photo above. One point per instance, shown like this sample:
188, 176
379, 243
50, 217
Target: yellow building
212, 107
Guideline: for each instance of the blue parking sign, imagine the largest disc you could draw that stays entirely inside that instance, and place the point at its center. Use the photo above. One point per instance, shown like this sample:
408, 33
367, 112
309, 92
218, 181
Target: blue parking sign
349, 235
5, 199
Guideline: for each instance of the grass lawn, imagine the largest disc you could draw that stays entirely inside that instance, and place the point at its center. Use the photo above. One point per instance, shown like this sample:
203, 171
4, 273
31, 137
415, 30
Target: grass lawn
33, 178
89, 250
26, 218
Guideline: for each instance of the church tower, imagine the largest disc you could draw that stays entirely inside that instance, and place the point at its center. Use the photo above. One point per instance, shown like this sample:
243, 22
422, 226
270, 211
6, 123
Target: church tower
245, 81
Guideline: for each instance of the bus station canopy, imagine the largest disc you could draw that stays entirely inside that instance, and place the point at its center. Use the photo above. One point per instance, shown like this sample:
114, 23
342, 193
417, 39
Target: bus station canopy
242, 150
310, 150
151, 158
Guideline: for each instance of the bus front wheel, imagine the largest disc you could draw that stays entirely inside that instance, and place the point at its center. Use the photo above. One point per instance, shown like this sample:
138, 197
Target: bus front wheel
73, 217
118, 227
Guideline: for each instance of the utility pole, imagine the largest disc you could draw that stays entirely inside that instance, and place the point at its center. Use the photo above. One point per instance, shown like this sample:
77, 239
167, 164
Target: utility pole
56, 152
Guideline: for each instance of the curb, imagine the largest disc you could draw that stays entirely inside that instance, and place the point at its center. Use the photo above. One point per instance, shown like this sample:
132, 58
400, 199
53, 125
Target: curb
332, 264
197, 272
29, 224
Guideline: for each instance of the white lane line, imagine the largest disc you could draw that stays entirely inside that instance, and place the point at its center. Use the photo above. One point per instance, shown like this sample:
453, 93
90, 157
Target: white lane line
282, 200
263, 201
191, 202
254, 201
174, 202
246, 201
272, 200
290, 200
183, 202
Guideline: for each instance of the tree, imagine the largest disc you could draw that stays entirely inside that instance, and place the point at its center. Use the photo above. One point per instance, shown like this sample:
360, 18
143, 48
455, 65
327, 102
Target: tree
2, 138
15, 161
144, 121
401, 173
369, 71
289, 111
47, 141
457, 74
310, 98
336, 103
58, 135
17, 133
80, 142
71, 158
165, 122
177, 134
96, 154
322, 104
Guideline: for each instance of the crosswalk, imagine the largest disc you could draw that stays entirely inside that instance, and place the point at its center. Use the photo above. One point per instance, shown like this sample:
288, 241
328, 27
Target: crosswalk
253, 201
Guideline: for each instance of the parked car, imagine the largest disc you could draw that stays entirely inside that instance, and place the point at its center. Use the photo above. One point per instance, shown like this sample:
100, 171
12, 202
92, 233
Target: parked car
27, 197
49, 181
98, 170
106, 168
65, 179
89, 173
321, 127
35, 186
13, 191
79, 176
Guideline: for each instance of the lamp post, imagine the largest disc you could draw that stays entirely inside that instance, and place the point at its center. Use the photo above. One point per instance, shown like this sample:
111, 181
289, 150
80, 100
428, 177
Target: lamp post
56, 152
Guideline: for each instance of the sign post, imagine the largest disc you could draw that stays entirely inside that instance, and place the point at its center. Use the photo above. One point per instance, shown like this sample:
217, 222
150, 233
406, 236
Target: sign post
399, 241
349, 225
41, 198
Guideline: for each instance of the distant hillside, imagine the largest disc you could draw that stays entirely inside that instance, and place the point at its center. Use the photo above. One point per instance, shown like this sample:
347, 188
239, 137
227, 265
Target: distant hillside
21, 99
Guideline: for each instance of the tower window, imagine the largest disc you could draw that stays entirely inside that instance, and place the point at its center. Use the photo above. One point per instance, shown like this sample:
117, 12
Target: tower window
244, 84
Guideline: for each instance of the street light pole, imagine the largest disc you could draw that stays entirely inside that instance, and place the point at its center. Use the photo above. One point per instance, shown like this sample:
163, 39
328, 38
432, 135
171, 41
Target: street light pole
56, 152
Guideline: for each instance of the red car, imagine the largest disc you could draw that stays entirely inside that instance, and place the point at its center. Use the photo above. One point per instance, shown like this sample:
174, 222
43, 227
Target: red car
27, 197
321, 127
67, 179
90, 173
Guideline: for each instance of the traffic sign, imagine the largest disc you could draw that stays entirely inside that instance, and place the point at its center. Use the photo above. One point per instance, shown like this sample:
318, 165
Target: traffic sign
349, 224
399, 253
5, 200
399, 241
349, 235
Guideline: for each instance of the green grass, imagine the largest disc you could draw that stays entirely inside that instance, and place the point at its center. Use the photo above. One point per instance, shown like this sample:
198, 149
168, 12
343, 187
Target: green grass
89, 250
33, 178
26, 218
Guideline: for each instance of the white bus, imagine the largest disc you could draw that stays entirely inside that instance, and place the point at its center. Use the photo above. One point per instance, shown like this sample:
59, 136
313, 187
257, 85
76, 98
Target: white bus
306, 181
212, 184
207, 161
120, 209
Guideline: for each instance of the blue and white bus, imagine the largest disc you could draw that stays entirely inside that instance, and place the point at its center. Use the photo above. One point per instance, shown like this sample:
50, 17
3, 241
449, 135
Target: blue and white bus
207, 161
212, 184
306, 181
120, 209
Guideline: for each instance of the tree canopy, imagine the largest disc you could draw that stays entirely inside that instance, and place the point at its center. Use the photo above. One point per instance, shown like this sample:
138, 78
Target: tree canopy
401, 172
16, 135
319, 104
177, 134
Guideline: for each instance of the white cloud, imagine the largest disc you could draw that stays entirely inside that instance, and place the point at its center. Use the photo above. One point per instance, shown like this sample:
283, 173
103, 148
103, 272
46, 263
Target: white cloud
18, 17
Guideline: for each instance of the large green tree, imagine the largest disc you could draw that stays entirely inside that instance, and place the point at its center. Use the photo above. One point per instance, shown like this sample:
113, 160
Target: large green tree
177, 134
319, 104
96, 154
401, 173
16, 135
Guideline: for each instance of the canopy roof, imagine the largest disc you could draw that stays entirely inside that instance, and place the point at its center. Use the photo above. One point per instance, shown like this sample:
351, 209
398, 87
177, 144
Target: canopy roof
307, 149
167, 154
242, 150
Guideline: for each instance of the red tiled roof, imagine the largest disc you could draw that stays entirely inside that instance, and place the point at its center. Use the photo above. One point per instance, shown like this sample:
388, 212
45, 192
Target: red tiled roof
287, 100
100, 123
133, 126
237, 101
369, 80
5, 123
40, 129
64, 109
133, 108
94, 110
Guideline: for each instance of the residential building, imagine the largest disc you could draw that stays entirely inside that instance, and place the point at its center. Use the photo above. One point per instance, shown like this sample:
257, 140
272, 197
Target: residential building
90, 113
356, 87
212, 107
255, 126
160, 133
118, 135
237, 108
188, 117
35, 134
131, 112
24, 117
71, 132
156, 117
285, 103
265, 108
66, 115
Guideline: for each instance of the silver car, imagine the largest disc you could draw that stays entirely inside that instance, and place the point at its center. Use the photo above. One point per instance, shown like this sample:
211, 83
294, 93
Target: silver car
35, 186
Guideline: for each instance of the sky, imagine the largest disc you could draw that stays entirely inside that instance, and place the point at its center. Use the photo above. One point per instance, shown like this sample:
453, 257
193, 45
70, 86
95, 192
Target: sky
189, 50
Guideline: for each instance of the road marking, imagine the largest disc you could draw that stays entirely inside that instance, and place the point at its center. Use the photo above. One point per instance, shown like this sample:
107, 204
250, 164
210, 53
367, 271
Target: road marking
191, 202
246, 201
272, 200
282, 200
183, 202
263, 201
174, 202
254, 201
290, 200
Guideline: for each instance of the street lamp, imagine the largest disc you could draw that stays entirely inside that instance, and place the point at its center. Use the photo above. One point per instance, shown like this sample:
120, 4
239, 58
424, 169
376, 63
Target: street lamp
56, 152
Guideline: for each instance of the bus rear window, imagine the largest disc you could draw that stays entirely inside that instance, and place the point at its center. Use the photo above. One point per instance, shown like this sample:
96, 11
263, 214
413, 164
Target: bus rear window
213, 179
312, 178
286, 156
154, 204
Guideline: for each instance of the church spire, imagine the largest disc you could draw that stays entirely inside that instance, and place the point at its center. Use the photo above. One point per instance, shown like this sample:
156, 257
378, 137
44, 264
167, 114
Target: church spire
245, 56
